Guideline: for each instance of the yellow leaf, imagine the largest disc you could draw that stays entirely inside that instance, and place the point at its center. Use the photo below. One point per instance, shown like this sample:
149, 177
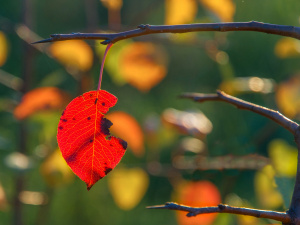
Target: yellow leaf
74, 54
127, 128
265, 188
180, 12
3, 48
128, 186
284, 158
287, 47
224, 9
288, 97
56, 171
112, 4
143, 65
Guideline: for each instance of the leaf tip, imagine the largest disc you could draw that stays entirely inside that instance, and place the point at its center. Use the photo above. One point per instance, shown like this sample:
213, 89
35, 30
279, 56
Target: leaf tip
123, 143
89, 186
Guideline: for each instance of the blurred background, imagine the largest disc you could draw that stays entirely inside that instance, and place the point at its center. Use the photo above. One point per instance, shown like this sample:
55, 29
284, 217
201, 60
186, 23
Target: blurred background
178, 150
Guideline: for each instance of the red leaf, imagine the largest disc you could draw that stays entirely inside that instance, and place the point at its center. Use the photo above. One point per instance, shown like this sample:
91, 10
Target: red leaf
83, 137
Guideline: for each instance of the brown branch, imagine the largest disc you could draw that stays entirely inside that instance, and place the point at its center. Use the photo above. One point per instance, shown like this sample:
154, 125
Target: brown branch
221, 208
282, 30
294, 209
269, 113
246, 162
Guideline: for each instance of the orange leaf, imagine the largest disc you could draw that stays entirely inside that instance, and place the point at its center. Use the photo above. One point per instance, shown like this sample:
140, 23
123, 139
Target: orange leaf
143, 65
44, 98
112, 4
180, 12
127, 128
224, 9
288, 97
198, 194
75, 54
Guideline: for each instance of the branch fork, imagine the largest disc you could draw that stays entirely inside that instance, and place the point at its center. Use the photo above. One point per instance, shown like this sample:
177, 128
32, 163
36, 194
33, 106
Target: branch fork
292, 216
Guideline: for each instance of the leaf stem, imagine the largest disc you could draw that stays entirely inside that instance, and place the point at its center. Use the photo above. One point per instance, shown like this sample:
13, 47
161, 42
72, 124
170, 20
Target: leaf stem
102, 65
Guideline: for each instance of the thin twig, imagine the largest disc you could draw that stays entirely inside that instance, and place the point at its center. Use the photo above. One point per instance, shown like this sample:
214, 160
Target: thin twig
282, 30
246, 162
221, 208
241, 104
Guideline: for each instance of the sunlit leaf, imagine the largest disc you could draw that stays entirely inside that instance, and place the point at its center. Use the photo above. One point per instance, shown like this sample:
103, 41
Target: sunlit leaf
128, 186
41, 99
224, 9
143, 65
266, 188
247, 84
127, 128
55, 170
287, 47
3, 48
284, 158
112, 4
84, 139
73, 54
194, 122
198, 194
288, 97
33, 198
180, 12
18, 162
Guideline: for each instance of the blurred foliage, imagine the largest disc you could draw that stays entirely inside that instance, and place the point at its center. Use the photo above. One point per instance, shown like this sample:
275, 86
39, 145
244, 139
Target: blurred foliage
147, 74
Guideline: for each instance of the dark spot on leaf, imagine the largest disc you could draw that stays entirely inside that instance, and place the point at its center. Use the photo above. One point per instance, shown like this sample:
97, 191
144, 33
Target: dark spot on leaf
105, 124
73, 118
91, 95
89, 118
91, 141
63, 113
103, 103
64, 120
96, 101
107, 170
123, 143
110, 145
60, 127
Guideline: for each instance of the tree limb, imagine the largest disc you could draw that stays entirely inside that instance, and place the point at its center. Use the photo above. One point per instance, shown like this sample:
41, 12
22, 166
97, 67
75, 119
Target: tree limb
221, 208
282, 30
269, 113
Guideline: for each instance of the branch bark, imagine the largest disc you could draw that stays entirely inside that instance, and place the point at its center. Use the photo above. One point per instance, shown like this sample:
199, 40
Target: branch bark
222, 208
293, 127
269, 113
282, 30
